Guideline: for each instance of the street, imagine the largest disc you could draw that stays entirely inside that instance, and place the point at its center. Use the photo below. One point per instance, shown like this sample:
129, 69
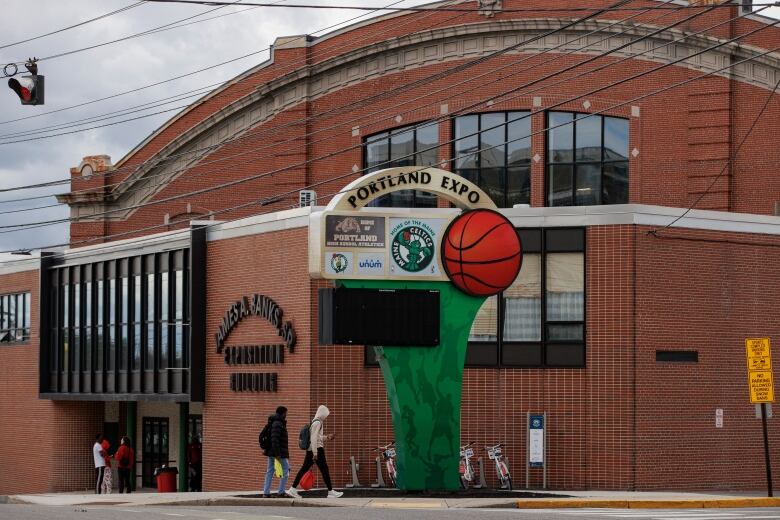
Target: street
28, 512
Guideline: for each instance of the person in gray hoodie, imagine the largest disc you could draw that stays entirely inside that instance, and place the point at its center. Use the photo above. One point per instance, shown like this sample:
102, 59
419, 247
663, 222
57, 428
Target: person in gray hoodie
315, 454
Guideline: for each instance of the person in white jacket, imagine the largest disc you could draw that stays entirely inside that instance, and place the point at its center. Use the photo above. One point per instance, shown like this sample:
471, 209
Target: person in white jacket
315, 454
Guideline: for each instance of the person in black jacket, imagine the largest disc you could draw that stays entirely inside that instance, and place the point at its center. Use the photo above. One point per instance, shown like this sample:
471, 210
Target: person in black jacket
279, 450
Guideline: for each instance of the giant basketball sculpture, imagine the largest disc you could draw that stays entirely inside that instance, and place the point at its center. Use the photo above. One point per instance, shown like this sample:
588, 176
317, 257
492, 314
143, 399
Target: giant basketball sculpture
478, 254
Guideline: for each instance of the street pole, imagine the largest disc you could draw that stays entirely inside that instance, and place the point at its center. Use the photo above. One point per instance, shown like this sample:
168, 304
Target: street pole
767, 461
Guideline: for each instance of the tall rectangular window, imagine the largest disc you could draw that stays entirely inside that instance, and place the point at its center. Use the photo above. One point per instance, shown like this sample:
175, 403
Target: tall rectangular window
493, 150
165, 347
151, 299
403, 147
587, 160
14, 317
111, 336
178, 342
539, 321
88, 323
137, 317
125, 314
124, 327
77, 323
100, 344
66, 294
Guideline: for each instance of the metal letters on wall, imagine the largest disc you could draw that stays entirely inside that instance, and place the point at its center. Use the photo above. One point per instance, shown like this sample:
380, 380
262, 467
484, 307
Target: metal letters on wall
255, 305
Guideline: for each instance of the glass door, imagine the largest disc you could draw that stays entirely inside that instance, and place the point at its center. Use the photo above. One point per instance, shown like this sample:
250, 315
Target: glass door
155, 447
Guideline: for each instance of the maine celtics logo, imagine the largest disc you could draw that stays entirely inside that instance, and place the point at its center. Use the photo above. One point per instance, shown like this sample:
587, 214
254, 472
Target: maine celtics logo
413, 248
339, 263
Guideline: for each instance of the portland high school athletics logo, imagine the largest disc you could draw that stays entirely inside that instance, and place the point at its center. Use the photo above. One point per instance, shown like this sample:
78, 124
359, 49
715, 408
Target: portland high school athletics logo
413, 248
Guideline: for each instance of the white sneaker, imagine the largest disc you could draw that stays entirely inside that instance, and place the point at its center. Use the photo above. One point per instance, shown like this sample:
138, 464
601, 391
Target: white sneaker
293, 493
334, 494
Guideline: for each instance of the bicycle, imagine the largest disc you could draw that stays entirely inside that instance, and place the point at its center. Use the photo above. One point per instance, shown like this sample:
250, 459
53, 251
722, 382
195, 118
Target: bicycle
388, 455
502, 466
465, 467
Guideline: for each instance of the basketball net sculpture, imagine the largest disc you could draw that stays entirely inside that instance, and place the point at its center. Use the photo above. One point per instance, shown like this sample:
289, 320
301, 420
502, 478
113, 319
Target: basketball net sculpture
478, 255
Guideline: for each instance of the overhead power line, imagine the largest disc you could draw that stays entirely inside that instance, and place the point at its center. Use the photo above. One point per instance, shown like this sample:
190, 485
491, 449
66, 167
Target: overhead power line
154, 30
353, 104
729, 162
19, 227
465, 109
420, 81
76, 254
448, 88
85, 22
181, 76
456, 9
331, 135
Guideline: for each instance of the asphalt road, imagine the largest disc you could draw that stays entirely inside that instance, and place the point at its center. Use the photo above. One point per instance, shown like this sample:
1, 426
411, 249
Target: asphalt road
20, 512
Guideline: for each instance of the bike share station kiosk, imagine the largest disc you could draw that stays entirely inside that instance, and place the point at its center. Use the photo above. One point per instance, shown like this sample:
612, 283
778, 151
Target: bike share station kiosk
410, 282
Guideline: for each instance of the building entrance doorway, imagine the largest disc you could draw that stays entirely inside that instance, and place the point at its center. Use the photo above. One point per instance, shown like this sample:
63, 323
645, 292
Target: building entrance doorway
155, 447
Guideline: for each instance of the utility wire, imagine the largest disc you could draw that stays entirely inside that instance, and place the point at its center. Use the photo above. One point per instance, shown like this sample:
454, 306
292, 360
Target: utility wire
448, 88
456, 9
220, 64
156, 161
465, 109
420, 81
729, 162
19, 227
267, 200
427, 123
159, 28
12, 138
85, 22
211, 85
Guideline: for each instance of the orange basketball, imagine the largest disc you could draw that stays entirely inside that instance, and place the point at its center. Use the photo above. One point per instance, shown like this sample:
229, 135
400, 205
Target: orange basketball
481, 252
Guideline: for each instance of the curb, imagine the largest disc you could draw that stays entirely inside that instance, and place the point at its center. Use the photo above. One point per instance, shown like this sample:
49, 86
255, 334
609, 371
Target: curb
648, 504
232, 502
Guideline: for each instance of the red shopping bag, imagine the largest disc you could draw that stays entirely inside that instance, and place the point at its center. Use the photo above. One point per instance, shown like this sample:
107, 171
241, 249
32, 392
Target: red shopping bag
307, 481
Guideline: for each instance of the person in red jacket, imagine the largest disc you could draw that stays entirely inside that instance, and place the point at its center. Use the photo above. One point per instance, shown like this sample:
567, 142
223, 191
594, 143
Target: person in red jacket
107, 481
125, 458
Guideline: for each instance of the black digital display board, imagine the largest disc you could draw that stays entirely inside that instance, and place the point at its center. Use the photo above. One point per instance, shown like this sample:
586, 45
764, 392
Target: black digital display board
382, 317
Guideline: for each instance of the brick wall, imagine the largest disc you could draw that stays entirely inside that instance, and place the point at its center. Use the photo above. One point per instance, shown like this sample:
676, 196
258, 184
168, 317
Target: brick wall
272, 264
44, 445
704, 291
679, 151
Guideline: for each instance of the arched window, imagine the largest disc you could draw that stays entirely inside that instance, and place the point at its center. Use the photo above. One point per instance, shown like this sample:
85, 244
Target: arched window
408, 146
587, 160
493, 150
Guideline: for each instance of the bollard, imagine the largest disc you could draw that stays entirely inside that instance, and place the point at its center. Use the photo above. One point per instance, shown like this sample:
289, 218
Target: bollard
380, 481
354, 467
482, 484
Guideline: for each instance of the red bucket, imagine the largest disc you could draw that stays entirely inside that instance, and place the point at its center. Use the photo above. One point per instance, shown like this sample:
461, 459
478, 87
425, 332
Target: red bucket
166, 480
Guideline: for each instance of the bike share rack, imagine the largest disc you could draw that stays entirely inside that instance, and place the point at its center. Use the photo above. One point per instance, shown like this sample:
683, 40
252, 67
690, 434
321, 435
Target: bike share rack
482, 484
380, 481
353, 468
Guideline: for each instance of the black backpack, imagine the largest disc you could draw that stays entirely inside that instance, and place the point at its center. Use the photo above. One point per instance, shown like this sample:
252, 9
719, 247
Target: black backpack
304, 436
265, 436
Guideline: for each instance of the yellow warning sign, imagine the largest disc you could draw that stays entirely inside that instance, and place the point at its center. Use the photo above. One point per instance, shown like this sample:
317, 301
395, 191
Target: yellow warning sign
759, 355
762, 388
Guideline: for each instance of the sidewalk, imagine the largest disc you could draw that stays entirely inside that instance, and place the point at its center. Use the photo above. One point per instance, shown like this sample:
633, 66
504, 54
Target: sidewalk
557, 499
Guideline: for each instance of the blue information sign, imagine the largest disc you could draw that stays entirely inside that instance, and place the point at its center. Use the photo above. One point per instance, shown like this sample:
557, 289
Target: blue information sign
536, 441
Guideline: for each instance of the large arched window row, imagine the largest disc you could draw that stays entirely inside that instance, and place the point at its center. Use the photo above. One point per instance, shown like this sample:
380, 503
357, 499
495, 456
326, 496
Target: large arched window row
587, 157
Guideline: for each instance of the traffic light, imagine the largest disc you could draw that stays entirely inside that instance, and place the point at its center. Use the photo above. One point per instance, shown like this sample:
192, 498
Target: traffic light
28, 88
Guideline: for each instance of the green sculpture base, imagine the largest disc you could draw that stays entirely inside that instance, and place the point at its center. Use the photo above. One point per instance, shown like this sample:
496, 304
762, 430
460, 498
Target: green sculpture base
424, 387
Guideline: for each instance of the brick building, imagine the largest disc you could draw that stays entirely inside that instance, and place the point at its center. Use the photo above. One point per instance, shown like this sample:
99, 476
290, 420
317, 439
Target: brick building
628, 335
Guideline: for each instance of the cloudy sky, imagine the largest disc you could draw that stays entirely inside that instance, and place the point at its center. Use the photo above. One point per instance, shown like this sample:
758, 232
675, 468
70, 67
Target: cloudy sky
110, 69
